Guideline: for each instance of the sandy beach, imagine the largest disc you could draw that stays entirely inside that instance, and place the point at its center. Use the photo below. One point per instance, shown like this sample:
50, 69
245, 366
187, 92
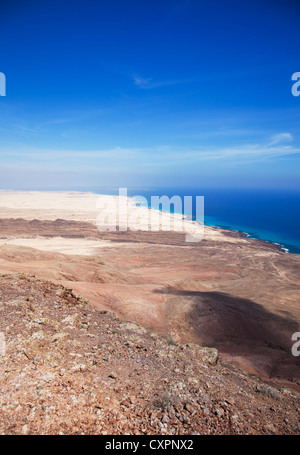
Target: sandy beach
75, 206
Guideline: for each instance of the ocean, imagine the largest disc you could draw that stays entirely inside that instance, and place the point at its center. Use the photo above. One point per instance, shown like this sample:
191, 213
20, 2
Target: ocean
270, 215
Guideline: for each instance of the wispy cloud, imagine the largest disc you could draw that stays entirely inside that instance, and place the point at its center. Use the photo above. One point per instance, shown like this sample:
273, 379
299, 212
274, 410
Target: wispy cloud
34, 124
142, 82
281, 137
149, 83
152, 157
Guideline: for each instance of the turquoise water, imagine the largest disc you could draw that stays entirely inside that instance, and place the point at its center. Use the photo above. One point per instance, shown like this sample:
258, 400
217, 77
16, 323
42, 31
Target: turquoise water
270, 215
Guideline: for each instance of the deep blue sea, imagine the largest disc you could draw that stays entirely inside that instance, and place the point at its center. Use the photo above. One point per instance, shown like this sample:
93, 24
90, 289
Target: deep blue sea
270, 215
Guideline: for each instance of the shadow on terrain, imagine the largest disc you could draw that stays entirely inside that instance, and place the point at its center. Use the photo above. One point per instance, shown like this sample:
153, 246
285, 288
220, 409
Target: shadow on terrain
240, 328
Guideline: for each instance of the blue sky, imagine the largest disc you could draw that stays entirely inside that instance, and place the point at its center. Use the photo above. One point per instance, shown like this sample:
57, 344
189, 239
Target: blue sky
149, 93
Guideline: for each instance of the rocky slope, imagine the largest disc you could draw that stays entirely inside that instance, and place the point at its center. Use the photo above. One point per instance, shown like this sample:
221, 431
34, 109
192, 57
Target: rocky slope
70, 368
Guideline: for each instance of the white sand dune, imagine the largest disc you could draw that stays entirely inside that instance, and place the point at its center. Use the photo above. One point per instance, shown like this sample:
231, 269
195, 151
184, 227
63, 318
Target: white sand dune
77, 206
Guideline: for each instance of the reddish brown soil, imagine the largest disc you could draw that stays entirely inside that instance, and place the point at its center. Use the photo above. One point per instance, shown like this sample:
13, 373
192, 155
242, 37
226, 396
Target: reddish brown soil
70, 368
241, 298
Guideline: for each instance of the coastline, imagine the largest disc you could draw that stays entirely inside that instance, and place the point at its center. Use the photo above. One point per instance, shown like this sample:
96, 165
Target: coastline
246, 235
82, 206
264, 216
253, 236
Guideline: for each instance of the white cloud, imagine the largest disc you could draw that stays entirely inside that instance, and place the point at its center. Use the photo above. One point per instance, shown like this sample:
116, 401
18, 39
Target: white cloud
151, 157
281, 137
142, 82
148, 83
